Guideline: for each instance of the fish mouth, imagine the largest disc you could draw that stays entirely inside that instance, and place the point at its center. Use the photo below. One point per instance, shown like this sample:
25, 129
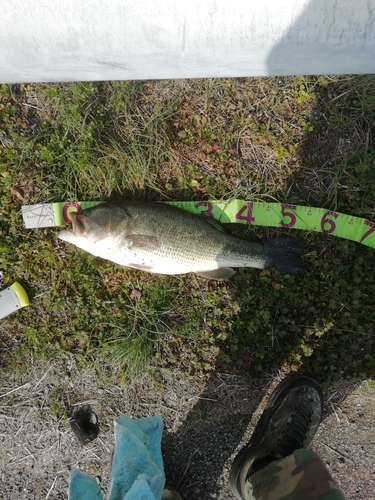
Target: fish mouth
78, 228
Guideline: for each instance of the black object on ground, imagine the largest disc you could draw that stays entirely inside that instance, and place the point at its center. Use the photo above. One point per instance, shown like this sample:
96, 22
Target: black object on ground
84, 424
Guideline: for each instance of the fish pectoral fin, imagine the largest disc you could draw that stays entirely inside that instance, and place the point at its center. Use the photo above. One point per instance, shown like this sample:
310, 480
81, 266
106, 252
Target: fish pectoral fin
142, 241
141, 267
217, 274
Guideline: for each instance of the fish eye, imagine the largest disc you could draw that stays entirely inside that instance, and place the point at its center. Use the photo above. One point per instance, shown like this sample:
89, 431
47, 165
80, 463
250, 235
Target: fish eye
87, 213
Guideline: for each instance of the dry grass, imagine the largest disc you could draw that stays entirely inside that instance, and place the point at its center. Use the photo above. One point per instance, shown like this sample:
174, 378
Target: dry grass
204, 417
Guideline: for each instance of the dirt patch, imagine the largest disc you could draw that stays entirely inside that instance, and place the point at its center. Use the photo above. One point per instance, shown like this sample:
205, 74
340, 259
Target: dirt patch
206, 419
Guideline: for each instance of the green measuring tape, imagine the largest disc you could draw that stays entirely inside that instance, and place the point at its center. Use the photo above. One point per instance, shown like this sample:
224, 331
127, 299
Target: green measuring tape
255, 213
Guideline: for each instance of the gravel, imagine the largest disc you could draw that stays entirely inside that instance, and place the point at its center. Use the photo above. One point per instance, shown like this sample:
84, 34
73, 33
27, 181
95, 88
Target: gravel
206, 419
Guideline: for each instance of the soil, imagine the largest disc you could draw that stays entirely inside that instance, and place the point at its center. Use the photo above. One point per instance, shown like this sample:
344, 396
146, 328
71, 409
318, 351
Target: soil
206, 421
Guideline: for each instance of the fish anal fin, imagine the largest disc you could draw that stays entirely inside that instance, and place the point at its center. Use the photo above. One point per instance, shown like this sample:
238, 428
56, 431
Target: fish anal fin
217, 274
143, 241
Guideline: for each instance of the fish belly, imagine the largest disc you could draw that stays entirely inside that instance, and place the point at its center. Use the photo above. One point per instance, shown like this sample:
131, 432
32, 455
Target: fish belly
161, 264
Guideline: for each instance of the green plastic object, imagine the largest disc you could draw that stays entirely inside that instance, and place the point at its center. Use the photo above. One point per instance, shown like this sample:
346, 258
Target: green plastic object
12, 299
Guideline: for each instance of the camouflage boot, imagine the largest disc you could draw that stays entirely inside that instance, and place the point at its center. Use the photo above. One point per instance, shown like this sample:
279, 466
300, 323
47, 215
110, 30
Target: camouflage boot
291, 419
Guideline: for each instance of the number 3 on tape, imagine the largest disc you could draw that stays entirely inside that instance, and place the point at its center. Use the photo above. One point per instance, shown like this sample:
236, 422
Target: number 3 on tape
207, 205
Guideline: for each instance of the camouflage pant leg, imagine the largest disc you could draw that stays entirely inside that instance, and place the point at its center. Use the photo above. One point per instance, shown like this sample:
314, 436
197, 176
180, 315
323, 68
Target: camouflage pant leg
301, 476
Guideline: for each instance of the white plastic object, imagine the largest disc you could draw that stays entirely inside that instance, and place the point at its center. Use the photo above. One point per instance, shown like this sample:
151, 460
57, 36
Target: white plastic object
49, 41
12, 299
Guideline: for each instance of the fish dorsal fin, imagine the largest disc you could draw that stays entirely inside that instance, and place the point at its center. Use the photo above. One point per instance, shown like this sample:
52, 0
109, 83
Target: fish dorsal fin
217, 274
143, 241
216, 224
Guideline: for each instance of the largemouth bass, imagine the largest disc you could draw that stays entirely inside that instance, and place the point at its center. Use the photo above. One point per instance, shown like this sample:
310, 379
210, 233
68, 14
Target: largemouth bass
160, 238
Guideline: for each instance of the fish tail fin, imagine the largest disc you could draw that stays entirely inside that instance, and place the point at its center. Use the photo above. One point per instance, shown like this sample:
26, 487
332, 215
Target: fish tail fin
285, 254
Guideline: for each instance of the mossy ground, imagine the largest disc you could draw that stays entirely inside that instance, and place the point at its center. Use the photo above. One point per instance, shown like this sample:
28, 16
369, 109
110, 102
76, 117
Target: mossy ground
304, 140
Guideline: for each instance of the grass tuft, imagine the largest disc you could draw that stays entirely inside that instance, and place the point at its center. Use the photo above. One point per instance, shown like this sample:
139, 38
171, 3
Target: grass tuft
303, 140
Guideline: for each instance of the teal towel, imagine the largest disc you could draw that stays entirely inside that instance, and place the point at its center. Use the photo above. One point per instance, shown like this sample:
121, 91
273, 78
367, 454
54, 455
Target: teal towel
137, 466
